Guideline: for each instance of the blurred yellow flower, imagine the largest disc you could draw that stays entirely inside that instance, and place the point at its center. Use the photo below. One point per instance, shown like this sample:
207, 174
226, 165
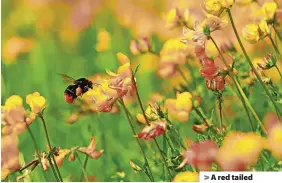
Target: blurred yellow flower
122, 58
177, 17
213, 6
239, 150
12, 102
180, 107
254, 32
274, 140
268, 9
36, 102
104, 40
227, 3
15, 46
186, 177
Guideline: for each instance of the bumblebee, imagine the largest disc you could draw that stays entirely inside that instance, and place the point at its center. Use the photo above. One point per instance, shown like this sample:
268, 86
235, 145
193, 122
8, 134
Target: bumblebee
77, 87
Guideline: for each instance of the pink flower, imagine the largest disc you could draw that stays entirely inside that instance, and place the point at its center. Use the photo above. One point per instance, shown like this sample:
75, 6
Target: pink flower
209, 69
91, 150
216, 84
200, 154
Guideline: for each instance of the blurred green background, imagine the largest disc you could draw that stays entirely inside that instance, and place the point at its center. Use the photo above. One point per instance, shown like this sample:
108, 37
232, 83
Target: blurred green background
62, 37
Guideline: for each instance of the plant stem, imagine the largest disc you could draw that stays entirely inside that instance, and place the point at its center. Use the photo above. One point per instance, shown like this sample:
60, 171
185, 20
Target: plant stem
168, 171
277, 33
49, 144
274, 46
82, 167
202, 116
251, 64
278, 70
183, 75
148, 123
220, 110
150, 175
169, 142
237, 86
53, 170
177, 134
36, 149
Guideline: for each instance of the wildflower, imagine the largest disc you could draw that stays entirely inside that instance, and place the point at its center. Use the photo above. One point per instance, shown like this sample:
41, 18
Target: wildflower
176, 18
173, 54
36, 102
253, 32
227, 3
268, 9
200, 154
60, 156
91, 150
155, 129
213, 7
216, 84
186, 177
14, 117
268, 62
151, 114
10, 155
14, 47
201, 128
213, 23
274, 137
196, 35
104, 40
141, 45
122, 81
209, 69
239, 150
180, 107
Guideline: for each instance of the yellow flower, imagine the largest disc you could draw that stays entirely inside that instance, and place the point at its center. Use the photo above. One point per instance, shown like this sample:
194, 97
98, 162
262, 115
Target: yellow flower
268, 10
177, 18
12, 102
213, 6
243, 2
104, 40
122, 58
263, 29
274, 140
180, 107
239, 150
36, 102
250, 33
15, 46
186, 177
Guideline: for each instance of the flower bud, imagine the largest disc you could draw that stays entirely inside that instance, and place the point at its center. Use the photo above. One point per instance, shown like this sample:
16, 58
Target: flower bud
201, 128
268, 62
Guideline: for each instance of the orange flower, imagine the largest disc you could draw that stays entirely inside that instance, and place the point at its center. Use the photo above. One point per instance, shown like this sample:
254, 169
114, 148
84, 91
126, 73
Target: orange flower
15, 46
155, 129
59, 158
91, 149
200, 154
10, 155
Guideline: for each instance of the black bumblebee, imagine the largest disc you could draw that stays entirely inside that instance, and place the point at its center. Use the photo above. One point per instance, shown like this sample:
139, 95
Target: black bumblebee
76, 88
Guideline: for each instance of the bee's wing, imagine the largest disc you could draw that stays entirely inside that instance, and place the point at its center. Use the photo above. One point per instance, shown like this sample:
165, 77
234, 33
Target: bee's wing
67, 78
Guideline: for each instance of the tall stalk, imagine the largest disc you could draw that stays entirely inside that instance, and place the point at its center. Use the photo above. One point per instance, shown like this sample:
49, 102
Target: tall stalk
49, 144
236, 84
251, 64
148, 123
148, 169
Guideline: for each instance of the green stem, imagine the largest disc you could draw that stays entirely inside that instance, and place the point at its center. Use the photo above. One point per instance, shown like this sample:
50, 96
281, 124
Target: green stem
183, 75
274, 46
220, 111
277, 33
148, 123
53, 170
82, 167
251, 64
36, 149
138, 142
169, 143
177, 134
278, 70
49, 144
237, 86
206, 121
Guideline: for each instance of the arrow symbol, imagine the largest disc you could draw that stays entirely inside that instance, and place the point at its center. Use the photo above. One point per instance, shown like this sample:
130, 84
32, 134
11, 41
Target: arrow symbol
206, 177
